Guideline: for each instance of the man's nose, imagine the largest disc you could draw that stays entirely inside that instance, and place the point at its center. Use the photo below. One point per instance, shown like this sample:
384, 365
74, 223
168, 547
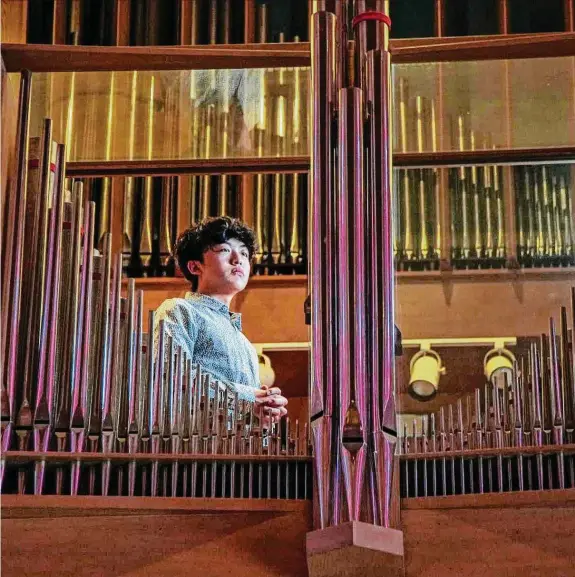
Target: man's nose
236, 257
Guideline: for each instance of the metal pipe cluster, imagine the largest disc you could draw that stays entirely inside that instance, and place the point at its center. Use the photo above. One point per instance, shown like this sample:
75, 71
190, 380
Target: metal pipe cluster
516, 434
352, 397
418, 230
545, 216
477, 206
81, 380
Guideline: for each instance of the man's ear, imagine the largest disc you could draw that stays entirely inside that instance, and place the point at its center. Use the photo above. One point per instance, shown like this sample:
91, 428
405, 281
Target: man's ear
195, 267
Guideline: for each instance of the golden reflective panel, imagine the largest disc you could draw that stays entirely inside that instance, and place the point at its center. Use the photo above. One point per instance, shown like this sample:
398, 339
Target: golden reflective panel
203, 114
453, 106
198, 114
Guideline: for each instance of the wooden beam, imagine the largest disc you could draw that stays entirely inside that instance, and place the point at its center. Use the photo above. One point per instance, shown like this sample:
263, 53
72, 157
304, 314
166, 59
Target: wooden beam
268, 165
48, 58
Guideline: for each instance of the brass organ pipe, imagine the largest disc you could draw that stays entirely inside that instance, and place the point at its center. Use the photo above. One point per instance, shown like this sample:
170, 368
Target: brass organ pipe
465, 240
423, 247
225, 118
500, 245
478, 244
213, 22
435, 180
146, 213
540, 243
167, 211
530, 207
129, 182
206, 185
555, 209
550, 240
261, 204
488, 190
106, 190
278, 179
295, 234
406, 226
566, 217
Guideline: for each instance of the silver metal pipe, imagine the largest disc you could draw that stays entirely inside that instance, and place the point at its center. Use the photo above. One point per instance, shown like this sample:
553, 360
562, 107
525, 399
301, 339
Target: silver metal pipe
321, 259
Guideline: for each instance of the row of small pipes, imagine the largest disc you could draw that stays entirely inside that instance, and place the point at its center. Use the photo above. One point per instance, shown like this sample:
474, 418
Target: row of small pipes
545, 230
544, 212
79, 375
518, 433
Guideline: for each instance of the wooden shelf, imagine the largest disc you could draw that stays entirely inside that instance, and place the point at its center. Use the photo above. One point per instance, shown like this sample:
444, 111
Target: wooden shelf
180, 283
402, 277
57, 458
489, 275
246, 165
64, 58
301, 163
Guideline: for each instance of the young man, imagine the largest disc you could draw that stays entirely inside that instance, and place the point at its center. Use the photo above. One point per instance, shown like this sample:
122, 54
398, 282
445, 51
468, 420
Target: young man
215, 256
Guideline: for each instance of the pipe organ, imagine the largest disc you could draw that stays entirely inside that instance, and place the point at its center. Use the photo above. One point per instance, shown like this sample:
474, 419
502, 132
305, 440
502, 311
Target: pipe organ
349, 173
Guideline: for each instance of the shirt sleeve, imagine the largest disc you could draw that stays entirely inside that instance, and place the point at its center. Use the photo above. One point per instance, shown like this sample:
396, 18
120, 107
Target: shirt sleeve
179, 322
246, 392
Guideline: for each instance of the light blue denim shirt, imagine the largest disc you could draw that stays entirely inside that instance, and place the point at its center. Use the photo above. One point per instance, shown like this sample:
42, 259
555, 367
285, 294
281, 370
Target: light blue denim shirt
212, 337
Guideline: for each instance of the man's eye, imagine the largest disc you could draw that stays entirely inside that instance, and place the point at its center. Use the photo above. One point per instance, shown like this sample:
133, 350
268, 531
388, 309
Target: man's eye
245, 254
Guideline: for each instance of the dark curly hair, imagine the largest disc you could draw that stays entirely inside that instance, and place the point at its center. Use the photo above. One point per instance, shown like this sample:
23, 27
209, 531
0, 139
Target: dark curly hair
196, 240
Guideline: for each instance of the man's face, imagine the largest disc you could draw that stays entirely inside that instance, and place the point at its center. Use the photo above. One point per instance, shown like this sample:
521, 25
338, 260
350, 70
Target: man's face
226, 268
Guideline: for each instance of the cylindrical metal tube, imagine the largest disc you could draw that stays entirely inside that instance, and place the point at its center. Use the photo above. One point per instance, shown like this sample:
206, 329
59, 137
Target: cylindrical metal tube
12, 258
351, 346
380, 315
322, 274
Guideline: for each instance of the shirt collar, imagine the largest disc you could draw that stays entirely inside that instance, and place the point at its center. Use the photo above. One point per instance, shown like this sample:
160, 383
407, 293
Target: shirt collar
217, 306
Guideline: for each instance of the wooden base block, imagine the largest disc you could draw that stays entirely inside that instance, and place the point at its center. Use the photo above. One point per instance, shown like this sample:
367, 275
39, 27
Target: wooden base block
355, 550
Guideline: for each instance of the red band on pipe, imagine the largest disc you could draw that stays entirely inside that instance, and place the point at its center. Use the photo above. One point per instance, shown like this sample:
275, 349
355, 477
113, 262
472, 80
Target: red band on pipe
35, 163
371, 15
